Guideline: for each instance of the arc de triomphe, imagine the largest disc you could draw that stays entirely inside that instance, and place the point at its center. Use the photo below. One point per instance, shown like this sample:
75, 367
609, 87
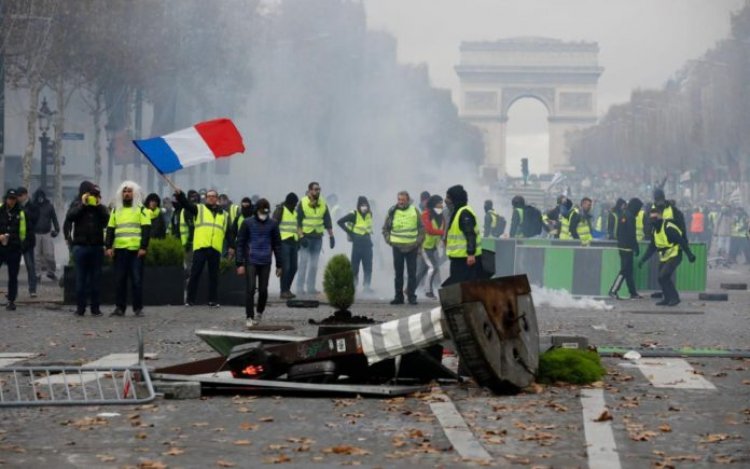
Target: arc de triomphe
562, 75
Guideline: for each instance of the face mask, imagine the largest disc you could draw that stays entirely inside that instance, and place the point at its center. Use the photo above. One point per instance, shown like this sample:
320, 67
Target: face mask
438, 210
262, 216
363, 208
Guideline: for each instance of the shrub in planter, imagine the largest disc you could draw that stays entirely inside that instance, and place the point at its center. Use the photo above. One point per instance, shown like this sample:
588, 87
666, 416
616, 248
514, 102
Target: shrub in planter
574, 366
165, 252
338, 284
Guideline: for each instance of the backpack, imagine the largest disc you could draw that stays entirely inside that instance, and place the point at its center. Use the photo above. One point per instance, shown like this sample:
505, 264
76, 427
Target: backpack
532, 222
499, 227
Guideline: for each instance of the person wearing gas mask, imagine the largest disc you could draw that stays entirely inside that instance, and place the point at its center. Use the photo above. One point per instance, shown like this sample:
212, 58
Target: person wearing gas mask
669, 240
434, 227
258, 241
83, 229
358, 226
289, 229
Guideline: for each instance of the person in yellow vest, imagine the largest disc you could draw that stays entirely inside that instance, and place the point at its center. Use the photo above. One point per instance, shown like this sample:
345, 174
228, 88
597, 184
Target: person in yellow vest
463, 241
494, 224
244, 211
580, 222
13, 231
566, 211
433, 222
403, 231
640, 225
127, 239
211, 227
739, 242
613, 217
286, 218
669, 240
358, 226
153, 209
313, 218
518, 203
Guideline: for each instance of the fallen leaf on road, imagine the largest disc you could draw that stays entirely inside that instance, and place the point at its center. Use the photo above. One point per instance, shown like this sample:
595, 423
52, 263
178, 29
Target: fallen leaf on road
724, 459
223, 463
248, 426
665, 428
174, 452
346, 449
243, 410
604, 416
746, 381
715, 438
642, 436
517, 459
241, 442
152, 465
278, 459
200, 424
87, 423
301, 440
277, 447
105, 458
557, 407
266, 419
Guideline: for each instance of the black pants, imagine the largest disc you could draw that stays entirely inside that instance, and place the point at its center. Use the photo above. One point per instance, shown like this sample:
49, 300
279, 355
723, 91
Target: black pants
362, 254
410, 259
12, 257
666, 269
626, 273
256, 276
289, 250
201, 257
128, 266
460, 271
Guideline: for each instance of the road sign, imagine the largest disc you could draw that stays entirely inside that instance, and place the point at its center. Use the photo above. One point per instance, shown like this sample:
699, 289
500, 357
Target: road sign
73, 136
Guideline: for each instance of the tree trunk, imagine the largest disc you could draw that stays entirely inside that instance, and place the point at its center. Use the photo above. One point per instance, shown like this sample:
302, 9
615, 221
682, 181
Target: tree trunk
57, 143
97, 137
31, 121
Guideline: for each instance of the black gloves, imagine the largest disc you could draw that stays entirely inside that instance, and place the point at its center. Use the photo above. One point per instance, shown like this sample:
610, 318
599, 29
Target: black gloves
331, 242
640, 264
53, 233
691, 257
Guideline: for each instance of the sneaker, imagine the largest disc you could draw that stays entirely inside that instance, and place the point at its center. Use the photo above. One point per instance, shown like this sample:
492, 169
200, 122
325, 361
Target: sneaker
117, 312
138, 312
250, 323
188, 304
657, 294
636, 297
413, 301
96, 312
32, 294
10, 306
286, 295
213, 305
429, 294
662, 303
673, 302
80, 312
613, 295
51, 276
397, 301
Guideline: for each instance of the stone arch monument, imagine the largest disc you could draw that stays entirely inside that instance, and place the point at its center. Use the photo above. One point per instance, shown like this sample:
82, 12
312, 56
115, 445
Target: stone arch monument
562, 75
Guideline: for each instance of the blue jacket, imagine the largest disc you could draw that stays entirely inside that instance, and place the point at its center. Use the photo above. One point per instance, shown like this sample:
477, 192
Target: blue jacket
256, 240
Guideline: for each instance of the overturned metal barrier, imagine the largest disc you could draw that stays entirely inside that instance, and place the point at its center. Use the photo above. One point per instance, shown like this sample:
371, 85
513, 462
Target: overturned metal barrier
493, 325
23, 386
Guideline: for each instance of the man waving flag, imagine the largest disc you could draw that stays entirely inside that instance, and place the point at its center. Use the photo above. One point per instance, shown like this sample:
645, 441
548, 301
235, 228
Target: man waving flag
203, 142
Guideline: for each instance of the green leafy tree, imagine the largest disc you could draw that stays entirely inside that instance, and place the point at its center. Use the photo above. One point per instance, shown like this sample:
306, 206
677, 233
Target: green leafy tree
338, 282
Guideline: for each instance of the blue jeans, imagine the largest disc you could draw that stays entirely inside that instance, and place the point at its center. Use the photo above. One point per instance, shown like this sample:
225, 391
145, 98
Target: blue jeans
28, 259
288, 264
128, 266
88, 260
308, 264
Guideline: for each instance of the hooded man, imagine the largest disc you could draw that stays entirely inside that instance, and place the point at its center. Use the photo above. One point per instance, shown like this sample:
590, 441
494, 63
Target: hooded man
627, 247
614, 216
463, 239
404, 232
12, 237
156, 215
289, 231
244, 211
83, 229
211, 227
127, 240
31, 213
494, 224
669, 240
358, 226
566, 206
46, 229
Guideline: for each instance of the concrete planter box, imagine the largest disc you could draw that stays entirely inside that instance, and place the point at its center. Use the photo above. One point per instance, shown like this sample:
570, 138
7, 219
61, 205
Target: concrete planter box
162, 285
231, 289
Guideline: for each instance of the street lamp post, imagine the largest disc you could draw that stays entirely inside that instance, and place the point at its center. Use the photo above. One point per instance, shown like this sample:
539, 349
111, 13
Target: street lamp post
45, 122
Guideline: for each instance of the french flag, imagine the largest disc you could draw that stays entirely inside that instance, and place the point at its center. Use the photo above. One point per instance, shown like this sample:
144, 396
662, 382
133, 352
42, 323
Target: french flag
203, 142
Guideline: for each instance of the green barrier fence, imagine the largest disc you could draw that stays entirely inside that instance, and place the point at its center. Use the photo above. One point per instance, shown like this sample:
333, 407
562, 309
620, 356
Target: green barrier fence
586, 270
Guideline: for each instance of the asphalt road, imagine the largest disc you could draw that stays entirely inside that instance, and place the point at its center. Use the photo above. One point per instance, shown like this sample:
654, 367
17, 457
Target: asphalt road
659, 417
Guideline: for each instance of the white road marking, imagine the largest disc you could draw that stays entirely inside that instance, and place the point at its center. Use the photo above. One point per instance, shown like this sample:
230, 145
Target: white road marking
671, 373
457, 432
600, 439
111, 360
9, 358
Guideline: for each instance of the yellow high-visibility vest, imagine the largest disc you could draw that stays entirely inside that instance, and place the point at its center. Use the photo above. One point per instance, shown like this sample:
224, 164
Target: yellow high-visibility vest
666, 249
288, 224
431, 240
639, 224
565, 226
362, 225
456, 246
209, 229
404, 229
127, 222
313, 219
583, 229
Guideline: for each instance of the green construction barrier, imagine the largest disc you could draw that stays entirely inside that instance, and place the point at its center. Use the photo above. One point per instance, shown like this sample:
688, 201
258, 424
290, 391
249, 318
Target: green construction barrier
586, 270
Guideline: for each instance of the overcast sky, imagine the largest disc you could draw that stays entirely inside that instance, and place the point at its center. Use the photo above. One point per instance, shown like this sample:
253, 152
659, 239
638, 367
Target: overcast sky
642, 42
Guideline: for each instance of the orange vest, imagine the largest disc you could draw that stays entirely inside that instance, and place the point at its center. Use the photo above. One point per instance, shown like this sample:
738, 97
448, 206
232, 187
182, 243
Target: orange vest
696, 222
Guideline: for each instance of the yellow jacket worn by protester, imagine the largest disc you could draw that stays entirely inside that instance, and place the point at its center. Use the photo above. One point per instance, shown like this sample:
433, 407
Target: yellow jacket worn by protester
128, 228
403, 228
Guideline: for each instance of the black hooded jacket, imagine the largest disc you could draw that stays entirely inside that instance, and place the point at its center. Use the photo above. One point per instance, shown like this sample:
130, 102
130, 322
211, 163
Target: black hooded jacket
10, 223
347, 222
47, 220
467, 222
290, 202
626, 233
85, 224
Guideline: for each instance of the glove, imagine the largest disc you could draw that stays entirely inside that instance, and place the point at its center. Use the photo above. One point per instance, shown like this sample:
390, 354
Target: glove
640, 264
691, 257
53, 234
331, 242
304, 242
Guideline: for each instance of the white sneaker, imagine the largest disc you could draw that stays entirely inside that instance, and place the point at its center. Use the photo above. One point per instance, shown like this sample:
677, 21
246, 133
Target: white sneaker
250, 323
258, 317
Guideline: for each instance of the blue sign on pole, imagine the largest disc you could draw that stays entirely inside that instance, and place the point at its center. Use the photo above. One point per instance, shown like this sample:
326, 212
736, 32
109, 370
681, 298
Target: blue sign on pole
72, 136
